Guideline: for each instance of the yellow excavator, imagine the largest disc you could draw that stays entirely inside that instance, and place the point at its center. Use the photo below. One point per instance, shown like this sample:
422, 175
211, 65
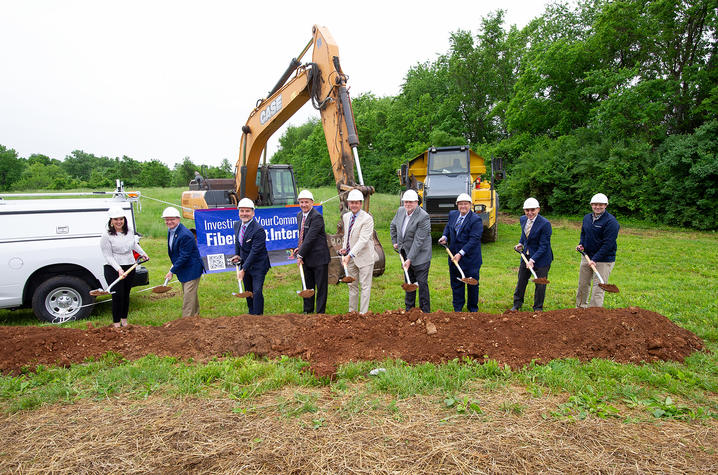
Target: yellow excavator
323, 82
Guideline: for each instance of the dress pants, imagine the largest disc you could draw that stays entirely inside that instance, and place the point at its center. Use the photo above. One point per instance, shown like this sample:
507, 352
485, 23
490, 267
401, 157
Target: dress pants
121, 296
254, 282
463, 293
190, 300
523, 280
585, 275
362, 275
317, 278
420, 275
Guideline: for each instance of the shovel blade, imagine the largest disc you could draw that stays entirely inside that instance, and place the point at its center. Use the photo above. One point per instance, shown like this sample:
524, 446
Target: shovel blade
409, 287
348, 279
161, 289
540, 280
242, 295
469, 280
305, 294
97, 292
609, 288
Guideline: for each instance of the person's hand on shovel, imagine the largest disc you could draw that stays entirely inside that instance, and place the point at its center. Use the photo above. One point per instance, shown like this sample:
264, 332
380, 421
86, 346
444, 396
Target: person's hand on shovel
407, 263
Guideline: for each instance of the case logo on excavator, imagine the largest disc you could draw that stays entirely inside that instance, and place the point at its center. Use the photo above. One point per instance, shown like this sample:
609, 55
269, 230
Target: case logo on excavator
273, 107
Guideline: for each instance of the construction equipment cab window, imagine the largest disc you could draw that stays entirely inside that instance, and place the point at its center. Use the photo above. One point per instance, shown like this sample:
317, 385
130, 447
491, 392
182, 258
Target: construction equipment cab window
445, 163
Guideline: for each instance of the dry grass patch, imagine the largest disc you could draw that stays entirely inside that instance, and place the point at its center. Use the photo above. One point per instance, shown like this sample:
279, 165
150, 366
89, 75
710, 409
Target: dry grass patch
322, 431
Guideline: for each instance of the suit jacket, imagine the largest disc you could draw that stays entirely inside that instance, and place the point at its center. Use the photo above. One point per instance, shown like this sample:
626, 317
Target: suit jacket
360, 239
314, 249
538, 243
416, 242
467, 239
253, 256
186, 261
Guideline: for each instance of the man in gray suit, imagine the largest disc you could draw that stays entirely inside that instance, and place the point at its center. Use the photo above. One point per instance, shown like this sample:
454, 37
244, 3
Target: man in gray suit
411, 236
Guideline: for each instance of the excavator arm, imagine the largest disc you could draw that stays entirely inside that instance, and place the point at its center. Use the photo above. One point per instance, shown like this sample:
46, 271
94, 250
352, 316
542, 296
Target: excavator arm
323, 82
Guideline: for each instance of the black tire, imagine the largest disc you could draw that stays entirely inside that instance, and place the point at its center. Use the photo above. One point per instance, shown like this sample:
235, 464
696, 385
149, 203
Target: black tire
61, 298
491, 234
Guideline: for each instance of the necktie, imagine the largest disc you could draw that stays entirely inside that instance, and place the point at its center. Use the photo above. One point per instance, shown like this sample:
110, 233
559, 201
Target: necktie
459, 222
406, 223
529, 225
241, 234
301, 231
351, 224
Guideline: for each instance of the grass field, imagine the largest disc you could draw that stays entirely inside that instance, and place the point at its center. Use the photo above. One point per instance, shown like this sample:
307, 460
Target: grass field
665, 270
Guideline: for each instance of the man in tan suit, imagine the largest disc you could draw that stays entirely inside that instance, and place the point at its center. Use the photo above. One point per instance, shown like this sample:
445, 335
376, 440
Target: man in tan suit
357, 251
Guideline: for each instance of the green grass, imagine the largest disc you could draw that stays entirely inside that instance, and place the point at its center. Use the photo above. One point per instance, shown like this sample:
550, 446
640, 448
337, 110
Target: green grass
665, 270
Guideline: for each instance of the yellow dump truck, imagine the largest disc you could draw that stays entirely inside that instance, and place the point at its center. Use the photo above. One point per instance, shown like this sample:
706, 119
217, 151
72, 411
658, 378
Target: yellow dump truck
440, 173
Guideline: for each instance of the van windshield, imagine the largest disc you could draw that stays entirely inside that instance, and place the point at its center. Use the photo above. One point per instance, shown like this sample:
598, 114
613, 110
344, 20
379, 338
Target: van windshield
449, 161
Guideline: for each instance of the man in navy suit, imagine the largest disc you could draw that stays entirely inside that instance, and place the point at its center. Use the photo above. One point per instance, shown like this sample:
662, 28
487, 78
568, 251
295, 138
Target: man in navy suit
250, 248
186, 261
535, 243
313, 252
463, 234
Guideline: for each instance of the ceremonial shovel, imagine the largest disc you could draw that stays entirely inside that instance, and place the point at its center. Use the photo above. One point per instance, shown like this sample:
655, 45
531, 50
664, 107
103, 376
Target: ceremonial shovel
241, 293
106, 291
536, 279
161, 289
607, 287
463, 278
347, 278
305, 293
407, 286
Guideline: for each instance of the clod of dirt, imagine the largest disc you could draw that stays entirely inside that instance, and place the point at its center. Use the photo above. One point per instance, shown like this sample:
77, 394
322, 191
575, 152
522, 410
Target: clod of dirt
630, 335
430, 328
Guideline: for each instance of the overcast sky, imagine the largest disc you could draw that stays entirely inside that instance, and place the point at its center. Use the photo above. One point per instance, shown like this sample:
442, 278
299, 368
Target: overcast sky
169, 79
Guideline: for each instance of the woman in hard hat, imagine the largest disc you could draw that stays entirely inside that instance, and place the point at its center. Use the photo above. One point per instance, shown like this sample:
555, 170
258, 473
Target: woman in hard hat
535, 243
117, 245
598, 240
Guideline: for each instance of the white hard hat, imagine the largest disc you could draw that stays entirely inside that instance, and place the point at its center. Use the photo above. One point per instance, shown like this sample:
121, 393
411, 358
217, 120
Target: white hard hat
305, 194
599, 198
245, 203
531, 203
170, 212
410, 195
355, 195
463, 197
115, 212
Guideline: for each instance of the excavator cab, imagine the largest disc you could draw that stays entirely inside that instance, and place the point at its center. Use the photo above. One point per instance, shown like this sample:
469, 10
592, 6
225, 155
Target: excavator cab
276, 185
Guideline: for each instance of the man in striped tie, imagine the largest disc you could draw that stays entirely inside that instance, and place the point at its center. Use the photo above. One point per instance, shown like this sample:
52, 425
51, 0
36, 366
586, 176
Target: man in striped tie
463, 235
357, 252
250, 247
313, 253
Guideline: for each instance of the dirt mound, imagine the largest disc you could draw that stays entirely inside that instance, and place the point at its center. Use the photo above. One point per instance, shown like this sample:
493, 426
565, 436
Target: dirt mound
628, 335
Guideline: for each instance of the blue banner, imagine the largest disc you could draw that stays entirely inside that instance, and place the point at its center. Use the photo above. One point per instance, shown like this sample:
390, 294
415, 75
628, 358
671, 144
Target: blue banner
215, 234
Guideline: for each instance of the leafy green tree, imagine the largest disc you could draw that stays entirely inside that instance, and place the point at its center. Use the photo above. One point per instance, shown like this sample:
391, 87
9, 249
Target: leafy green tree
183, 172
11, 168
155, 173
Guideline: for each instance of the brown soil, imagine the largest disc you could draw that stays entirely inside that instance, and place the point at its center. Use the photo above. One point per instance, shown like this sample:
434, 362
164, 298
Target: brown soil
627, 335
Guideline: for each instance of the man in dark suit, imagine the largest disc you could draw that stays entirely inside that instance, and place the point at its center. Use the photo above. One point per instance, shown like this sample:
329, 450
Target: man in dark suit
186, 261
250, 248
535, 242
411, 235
463, 233
312, 252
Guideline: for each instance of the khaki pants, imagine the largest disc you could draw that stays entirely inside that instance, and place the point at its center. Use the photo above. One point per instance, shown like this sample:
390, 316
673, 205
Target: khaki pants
585, 276
361, 275
190, 300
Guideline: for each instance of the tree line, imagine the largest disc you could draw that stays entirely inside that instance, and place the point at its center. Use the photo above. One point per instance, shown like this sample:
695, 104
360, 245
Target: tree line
85, 170
617, 96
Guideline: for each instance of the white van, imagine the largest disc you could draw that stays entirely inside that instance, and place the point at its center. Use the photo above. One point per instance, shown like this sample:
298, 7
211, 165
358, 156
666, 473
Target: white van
50, 255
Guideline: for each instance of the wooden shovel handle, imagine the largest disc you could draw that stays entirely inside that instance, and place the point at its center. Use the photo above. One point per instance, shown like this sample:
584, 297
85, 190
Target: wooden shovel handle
526, 261
595, 271
451, 256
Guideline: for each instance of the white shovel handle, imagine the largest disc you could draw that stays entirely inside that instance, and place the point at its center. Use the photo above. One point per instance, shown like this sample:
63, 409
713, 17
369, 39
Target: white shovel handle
406, 273
301, 273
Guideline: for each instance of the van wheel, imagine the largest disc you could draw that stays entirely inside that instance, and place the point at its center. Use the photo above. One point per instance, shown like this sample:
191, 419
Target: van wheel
491, 234
61, 298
